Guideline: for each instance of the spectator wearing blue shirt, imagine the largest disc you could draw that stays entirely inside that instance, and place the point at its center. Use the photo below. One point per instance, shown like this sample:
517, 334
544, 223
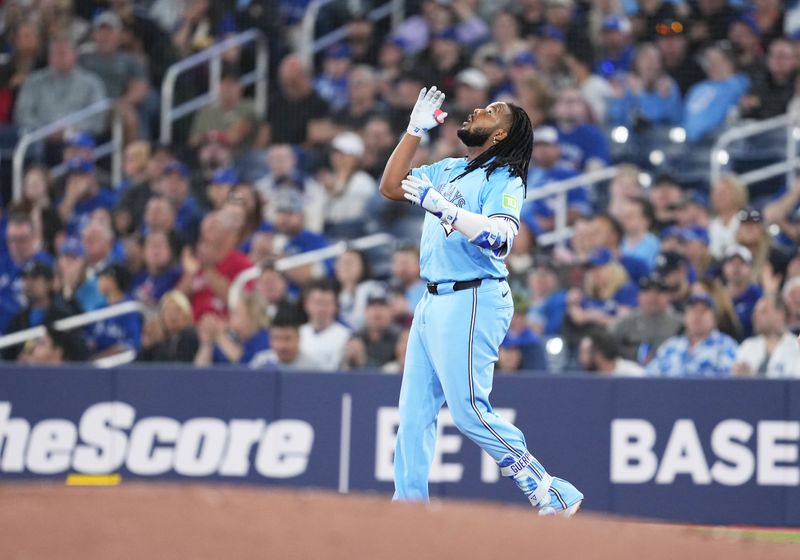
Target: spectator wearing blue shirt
243, 340
292, 238
331, 85
522, 348
608, 233
647, 95
702, 351
548, 168
20, 248
161, 273
695, 247
120, 333
584, 146
638, 242
83, 195
548, 301
737, 269
617, 53
174, 184
219, 188
709, 102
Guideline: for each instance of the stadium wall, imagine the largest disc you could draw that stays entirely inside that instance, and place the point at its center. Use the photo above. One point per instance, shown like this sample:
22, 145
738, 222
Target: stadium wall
715, 451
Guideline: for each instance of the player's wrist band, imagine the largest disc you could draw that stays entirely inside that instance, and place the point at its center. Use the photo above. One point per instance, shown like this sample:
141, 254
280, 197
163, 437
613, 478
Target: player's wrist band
415, 130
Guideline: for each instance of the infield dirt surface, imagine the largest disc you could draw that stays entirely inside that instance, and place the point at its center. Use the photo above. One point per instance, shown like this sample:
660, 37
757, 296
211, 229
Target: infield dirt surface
157, 521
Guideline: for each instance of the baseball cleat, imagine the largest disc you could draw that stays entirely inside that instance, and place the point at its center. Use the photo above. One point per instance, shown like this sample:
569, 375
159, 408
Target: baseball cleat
565, 499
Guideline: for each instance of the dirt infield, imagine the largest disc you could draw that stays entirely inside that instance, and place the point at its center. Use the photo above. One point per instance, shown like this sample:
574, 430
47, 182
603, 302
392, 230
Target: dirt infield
149, 521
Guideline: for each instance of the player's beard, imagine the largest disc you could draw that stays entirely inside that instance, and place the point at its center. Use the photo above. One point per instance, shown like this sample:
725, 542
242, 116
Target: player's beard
474, 138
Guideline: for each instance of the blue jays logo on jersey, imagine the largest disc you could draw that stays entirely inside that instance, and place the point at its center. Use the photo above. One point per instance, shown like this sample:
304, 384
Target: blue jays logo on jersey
451, 193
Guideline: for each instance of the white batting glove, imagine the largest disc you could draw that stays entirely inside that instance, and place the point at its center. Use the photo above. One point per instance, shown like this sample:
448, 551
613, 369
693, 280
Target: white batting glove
427, 112
423, 193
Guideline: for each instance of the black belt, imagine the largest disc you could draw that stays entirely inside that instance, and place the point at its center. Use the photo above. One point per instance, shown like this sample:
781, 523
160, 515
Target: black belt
433, 287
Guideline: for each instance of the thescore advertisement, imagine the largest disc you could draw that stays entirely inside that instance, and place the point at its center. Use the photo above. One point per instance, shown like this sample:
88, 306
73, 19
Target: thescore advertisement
697, 451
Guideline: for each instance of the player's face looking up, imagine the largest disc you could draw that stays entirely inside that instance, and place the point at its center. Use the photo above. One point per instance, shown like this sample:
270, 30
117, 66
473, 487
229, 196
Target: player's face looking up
483, 126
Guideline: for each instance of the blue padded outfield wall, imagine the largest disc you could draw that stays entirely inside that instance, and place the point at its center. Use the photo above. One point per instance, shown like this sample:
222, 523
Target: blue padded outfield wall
689, 450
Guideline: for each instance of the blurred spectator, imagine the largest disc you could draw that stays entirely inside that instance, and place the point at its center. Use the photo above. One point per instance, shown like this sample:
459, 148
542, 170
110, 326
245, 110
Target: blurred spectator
174, 185
595, 89
551, 63
561, 14
348, 189
392, 62
116, 334
286, 352
728, 196
608, 293
144, 39
213, 153
583, 145
753, 235
646, 96
291, 237
472, 89
600, 354
73, 285
405, 276
769, 19
193, 26
645, 328
355, 288
692, 210
379, 141
97, 240
677, 275
546, 168
773, 352
322, 337
606, 232
209, 271
26, 57
273, 289
708, 103
695, 249
36, 199
505, 39
245, 201
624, 185
373, 346
650, 13
616, 51
231, 114
23, 246
134, 191
548, 300
443, 60
771, 91
638, 242
83, 195
738, 274
159, 214
673, 43
161, 272
727, 318
665, 195
361, 100
785, 212
791, 297
522, 349
177, 337
331, 84
54, 348
296, 115
58, 90
124, 76
219, 188
435, 16
702, 351
398, 363
709, 21
241, 340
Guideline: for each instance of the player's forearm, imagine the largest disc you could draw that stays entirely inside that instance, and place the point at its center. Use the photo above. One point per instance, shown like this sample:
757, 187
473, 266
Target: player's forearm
397, 167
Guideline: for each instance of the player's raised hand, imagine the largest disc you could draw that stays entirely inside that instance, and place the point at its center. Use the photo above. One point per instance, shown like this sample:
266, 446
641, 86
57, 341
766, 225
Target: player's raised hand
427, 112
421, 191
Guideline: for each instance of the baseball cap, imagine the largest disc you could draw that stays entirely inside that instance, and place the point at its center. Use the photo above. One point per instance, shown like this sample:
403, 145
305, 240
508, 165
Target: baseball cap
378, 295
176, 166
447, 34
669, 261
348, 143
703, 298
545, 135
616, 23
37, 269
670, 28
396, 41
524, 58
339, 51
652, 281
71, 247
695, 233
106, 18
289, 201
473, 78
225, 176
672, 231
749, 21
81, 139
121, 275
80, 165
750, 215
599, 257
551, 32
739, 251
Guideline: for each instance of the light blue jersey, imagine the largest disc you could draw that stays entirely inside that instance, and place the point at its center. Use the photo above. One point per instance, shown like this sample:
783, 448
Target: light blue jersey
448, 256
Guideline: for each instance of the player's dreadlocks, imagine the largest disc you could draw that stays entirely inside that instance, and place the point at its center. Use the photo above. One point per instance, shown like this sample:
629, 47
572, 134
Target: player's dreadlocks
513, 152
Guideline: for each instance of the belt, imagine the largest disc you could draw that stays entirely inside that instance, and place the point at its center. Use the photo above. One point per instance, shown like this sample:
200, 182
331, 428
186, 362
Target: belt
447, 287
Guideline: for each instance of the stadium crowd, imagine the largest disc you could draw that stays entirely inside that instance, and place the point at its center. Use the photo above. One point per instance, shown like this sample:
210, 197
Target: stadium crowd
658, 278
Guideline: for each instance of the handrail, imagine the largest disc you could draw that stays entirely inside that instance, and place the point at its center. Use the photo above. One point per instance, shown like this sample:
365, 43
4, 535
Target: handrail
114, 147
74, 322
561, 231
302, 259
214, 53
788, 120
309, 46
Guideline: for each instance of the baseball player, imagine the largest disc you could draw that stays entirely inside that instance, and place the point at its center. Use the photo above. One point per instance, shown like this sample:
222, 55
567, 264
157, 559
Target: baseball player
473, 207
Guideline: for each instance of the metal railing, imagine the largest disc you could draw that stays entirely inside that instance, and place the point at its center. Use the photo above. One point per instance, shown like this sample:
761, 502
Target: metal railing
309, 45
259, 76
113, 147
560, 189
82, 320
303, 259
720, 154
